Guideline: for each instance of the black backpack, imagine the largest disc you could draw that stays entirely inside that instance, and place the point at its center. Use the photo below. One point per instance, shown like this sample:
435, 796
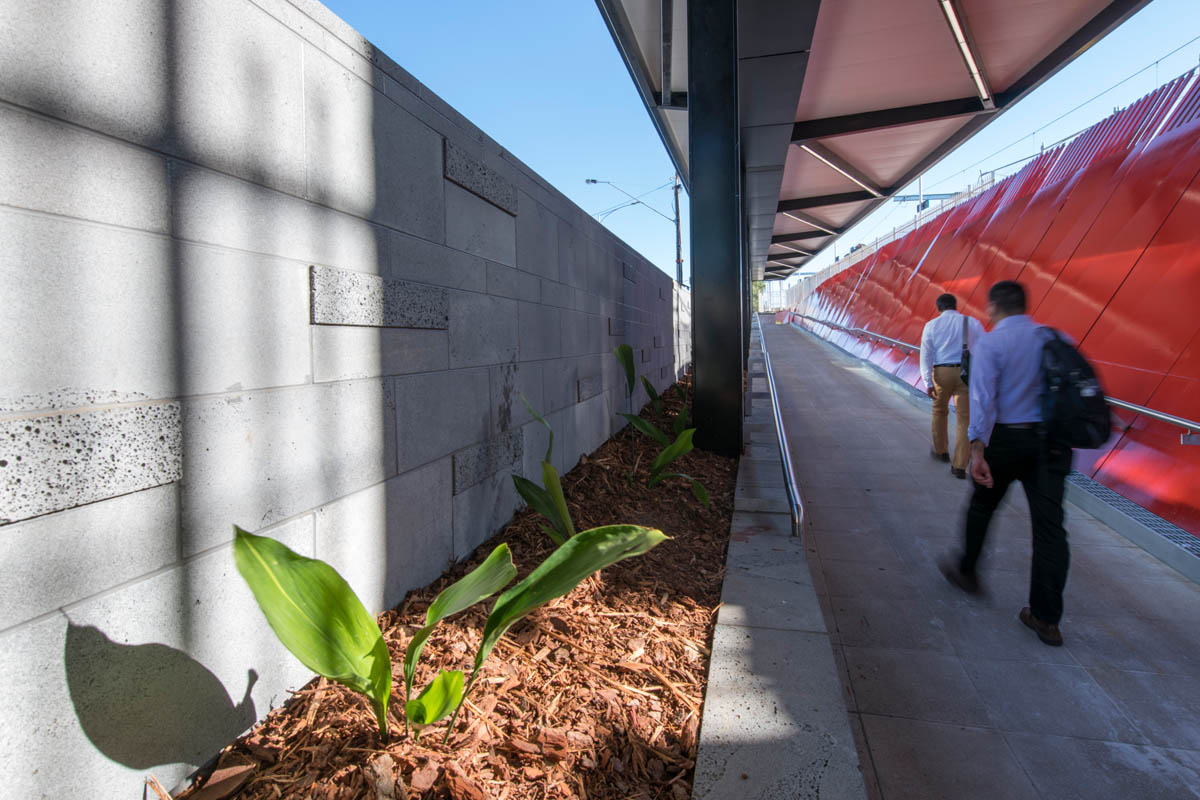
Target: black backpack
1073, 405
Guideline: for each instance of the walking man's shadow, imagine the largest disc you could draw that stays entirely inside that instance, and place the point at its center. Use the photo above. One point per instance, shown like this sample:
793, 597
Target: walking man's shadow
149, 704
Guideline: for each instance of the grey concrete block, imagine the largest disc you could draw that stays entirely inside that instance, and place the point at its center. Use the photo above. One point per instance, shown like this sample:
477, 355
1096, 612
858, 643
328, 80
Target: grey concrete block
110, 684
60, 169
57, 461
774, 720
572, 255
481, 511
629, 272
470, 174
537, 238
483, 330
475, 226
768, 585
440, 412
750, 525
505, 281
509, 382
58, 559
539, 332
558, 294
592, 425
590, 387
534, 441
645, 356
579, 334
413, 259
392, 537
342, 297
483, 460
261, 457
346, 352
366, 155
561, 386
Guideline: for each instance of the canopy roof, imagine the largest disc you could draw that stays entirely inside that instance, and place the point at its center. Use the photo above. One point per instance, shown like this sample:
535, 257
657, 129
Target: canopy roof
844, 102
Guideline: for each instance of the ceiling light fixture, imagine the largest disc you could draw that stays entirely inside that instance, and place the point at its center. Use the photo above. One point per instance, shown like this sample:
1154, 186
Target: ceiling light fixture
809, 221
840, 170
972, 66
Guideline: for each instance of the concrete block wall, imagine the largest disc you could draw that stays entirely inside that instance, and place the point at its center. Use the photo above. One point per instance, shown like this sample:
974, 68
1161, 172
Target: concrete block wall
255, 273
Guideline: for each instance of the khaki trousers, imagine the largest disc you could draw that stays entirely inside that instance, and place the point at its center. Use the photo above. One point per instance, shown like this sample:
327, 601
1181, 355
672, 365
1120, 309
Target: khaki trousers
947, 383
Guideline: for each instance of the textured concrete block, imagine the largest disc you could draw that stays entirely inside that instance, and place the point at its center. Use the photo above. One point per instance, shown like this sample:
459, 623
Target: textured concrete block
238, 93
505, 281
475, 226
341, 297
572, 255
509, 382
345, 352
58, 461
59, 169
539, 332
389, 538
413, 259
470, 174
483, 330
368, 156
590, 386
440, 412
603, 273
262, 457
558, 294
483, 460
58, 559
111, 684
561, 386
537, 238
481, 511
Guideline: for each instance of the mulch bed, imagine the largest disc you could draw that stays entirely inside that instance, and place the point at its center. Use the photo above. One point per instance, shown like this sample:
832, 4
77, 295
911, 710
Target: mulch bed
595, 696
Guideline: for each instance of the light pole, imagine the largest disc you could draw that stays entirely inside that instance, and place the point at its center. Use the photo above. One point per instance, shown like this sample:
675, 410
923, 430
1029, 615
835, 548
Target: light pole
637, 201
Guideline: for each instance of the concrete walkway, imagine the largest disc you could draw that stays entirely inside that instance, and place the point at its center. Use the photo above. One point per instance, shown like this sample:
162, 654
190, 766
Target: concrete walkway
950, 696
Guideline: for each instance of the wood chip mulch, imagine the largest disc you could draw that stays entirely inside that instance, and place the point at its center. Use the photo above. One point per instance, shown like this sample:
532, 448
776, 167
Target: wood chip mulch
595, 696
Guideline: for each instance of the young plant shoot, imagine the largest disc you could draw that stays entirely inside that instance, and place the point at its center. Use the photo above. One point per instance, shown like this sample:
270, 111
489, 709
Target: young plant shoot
547, 500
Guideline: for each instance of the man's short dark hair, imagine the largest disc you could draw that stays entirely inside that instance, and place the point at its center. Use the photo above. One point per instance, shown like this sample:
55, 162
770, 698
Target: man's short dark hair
1008, 297
946, 302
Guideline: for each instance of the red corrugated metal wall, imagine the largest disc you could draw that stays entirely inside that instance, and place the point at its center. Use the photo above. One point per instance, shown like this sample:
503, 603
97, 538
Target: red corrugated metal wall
1104, 232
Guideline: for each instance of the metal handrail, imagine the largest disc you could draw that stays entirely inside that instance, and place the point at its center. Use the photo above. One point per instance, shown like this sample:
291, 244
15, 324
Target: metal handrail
785, 455
1192, 428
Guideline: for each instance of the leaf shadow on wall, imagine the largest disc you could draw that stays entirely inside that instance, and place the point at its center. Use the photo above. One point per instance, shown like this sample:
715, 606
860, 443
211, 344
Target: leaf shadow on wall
150, 704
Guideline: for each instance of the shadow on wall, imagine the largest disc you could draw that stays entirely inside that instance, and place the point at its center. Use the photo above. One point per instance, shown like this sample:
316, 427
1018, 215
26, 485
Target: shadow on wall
149, 704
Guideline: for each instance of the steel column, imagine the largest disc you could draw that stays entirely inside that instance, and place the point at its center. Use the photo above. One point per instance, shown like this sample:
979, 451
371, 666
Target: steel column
716, 225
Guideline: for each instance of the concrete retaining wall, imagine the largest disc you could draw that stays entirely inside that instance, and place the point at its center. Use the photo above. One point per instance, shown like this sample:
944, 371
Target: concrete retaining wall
253, 272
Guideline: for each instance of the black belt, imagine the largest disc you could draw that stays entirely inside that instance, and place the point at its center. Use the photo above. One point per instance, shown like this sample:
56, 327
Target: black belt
1018, 426
935, 366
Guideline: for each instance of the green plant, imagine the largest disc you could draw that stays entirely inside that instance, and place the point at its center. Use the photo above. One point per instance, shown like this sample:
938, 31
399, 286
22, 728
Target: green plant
491, 576
681, 446
624, 354
563, 570
317, 616
549, 500
440, 698
653, 395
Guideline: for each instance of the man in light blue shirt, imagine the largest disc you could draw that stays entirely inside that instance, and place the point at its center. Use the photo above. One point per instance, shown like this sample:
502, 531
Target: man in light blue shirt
1008, 443
943, 340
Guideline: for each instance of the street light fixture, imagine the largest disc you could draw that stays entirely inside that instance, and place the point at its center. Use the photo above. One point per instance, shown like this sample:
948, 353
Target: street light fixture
635, 201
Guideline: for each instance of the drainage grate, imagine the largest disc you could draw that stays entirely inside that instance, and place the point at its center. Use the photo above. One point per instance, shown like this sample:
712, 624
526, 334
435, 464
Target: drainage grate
1170, 532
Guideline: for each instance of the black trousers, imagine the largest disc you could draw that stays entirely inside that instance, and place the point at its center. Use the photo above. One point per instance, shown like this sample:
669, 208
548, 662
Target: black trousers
1022, 454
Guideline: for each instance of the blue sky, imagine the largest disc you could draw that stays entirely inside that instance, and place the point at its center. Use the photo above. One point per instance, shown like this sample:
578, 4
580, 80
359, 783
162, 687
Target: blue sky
544, 80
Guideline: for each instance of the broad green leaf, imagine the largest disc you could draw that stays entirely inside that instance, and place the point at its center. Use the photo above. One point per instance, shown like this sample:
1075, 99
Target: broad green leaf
479, 584
624, 354
440, 697
677, 448
579, 557
681, 419
697, 487
537, 498
554, 535
653, 395
317, 616
647, 428
554, 489
541, 419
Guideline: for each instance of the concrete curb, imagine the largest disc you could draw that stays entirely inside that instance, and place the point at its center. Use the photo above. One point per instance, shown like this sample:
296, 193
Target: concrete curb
775, 723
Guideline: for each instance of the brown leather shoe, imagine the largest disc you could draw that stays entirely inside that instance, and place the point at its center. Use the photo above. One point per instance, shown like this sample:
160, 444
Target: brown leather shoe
939, 456
1049, 634
968, 583
961, 474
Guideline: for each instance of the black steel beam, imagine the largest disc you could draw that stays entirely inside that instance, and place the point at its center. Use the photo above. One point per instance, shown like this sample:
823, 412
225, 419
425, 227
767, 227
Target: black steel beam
797, 237
1093, 31
886, 118
716, 224
667, 12
804, 203
676, 102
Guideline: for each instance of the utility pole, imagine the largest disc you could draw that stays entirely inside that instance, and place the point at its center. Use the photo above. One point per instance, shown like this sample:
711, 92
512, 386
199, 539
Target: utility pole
678, 236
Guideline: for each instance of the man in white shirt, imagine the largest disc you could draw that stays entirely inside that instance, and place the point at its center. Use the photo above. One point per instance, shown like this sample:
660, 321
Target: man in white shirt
941, 365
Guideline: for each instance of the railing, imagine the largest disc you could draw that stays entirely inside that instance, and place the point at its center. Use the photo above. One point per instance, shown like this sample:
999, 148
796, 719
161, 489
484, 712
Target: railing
785, 455
1191, 427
